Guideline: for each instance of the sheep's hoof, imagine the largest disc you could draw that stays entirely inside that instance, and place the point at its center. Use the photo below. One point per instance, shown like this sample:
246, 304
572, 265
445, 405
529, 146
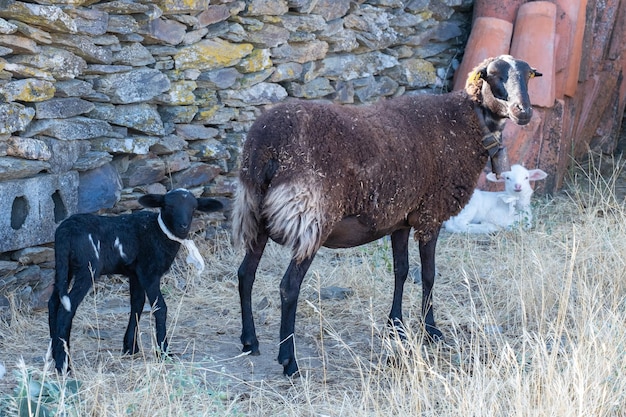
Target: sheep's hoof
434, 335
290, 367
252, 350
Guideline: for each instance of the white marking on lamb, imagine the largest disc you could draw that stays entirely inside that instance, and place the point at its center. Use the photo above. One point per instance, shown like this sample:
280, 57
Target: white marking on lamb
488, 211
118, 245
193, 254
67, 304
96, 246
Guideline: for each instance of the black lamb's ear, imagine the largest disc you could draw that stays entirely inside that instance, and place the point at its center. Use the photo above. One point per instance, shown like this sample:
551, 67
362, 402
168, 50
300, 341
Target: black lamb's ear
209, 204
151, 200
534, 73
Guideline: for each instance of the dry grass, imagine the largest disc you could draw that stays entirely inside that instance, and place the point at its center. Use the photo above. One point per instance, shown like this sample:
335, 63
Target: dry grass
534, 322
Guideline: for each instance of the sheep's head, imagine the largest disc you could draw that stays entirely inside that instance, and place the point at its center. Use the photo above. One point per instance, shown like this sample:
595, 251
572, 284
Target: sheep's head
517, 180
177, 207
500, 85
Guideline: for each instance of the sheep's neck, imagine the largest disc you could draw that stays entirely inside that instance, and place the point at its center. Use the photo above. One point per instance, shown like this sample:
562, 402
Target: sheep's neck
193, 254
492, 142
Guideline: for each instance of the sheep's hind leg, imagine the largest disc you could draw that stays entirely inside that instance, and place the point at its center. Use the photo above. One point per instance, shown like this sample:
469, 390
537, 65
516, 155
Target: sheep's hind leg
64, 318
400, 249
246, 275
137, 300
427, 257
289, 292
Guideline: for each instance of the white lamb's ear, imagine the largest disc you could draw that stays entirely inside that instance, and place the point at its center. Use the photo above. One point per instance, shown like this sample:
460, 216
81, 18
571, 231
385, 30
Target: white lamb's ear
492, 177
536, 174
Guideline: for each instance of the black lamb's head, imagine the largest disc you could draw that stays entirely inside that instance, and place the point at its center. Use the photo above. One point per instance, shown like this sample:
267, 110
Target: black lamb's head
500, 85
177, 208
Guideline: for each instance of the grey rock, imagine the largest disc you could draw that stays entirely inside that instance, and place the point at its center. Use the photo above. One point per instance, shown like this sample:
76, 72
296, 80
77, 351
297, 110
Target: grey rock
177, 161
195, 132
89, 21
73, 128
99, 188
196, 175
27, 90
17, 168
168, 144
73, 88
134, 54
62, 108
134, 86
177, 114
34, 207
141, 117
134, 145
91, 160
142, 170
6, 28
122, 24
62, 64
65, 153
335, 293
14, 117
84, 47
262, 93
27, 148
210, 150
35, 255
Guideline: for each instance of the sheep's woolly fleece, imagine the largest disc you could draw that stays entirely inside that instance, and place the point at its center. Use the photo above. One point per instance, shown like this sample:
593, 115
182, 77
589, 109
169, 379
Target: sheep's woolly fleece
411, 157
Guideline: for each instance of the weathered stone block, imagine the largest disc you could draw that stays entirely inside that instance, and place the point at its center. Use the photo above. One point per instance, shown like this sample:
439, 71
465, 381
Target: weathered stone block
35, 206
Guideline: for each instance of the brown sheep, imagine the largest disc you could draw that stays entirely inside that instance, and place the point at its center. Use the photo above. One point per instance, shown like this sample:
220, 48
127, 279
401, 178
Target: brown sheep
317, 174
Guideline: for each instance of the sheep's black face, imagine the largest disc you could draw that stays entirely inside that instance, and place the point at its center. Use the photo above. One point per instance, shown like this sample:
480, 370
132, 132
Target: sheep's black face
505, 91
177, 207
177, 212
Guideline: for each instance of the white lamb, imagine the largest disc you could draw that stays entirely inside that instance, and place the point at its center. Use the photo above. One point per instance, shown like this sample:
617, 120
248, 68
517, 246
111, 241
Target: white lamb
489, 211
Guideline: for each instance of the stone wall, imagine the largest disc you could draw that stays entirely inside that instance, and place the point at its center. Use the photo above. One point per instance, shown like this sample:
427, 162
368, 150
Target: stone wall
102, 101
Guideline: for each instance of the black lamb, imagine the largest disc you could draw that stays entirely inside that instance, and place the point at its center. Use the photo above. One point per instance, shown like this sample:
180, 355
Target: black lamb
317, 174
141, 245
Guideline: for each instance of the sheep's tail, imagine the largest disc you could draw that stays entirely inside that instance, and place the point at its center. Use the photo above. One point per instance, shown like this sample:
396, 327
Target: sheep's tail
246, 217
61, 279
292, 212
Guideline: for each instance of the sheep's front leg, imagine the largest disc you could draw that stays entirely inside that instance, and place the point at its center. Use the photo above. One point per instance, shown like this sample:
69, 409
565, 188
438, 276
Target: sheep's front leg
427, 256
400, 250
246, 275
159, 311
137, 300
289, 292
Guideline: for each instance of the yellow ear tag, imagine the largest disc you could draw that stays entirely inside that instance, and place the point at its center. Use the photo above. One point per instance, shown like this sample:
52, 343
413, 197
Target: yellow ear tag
532, 75
473, 76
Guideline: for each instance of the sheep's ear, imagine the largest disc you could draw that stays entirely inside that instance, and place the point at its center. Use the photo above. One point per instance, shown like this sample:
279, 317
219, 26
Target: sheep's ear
209, 204
476, 75
493, 177
536, 174
534, 73
151, 200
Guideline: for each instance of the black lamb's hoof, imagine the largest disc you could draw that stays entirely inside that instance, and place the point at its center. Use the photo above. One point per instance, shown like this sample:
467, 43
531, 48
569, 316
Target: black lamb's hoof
252, 350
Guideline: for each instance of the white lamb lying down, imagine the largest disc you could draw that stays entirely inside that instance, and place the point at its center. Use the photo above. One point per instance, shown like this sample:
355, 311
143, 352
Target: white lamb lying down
489, 211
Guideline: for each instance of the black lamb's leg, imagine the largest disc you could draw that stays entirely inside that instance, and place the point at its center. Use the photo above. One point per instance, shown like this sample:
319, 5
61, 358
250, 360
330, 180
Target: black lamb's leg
159, 311
289, 292
400, 250
246, 275
64, 318
137, 300
427, 256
